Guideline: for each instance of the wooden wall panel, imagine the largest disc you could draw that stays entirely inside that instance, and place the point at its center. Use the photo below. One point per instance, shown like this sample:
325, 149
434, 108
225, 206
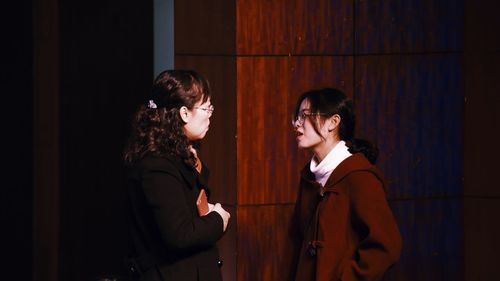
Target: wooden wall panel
332, 29
432, 240
263, 27
412, 107
481, 25
480, 235
264, 131
219, 146
284, 27
482, 116
205, 27
263, 92
409, 26
314, 72
268, 87
263, 242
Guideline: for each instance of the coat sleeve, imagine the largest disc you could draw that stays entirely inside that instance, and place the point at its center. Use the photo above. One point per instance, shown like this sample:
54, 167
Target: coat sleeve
380, 241
164, 190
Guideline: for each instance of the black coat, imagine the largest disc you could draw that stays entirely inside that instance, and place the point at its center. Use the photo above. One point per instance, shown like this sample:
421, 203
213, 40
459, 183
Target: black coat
171, 241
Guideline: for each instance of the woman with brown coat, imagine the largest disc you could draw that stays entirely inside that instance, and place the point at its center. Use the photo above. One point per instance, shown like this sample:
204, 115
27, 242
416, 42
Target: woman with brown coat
343, 226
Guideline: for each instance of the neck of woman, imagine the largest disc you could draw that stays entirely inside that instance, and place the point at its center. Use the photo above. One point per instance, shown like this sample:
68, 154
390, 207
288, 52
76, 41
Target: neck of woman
322, 149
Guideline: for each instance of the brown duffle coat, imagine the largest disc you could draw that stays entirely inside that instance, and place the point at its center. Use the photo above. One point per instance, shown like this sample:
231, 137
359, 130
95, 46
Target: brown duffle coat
349, 233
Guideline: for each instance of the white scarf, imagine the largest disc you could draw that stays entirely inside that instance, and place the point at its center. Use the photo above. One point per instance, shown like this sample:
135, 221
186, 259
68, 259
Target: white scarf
324, 169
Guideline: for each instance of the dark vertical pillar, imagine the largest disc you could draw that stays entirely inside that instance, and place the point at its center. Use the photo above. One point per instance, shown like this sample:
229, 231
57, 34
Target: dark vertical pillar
16, 201
106, 70
93, 65
482, 116
46, 136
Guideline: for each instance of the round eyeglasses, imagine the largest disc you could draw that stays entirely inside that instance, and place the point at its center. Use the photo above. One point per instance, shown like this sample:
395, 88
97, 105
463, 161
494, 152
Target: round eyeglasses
298, 120
210, 109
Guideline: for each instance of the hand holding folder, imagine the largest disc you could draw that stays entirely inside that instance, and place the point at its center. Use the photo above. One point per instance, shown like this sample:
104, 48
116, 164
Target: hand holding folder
204, 208
202, 203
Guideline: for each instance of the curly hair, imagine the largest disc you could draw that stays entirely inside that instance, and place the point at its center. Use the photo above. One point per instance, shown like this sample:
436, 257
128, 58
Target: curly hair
157, 128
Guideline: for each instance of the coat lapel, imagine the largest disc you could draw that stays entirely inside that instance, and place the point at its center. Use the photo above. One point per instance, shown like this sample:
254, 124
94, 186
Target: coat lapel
193, 178
188, 173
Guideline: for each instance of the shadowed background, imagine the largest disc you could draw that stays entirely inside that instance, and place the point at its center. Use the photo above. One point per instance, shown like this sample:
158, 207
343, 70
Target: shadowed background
423, 76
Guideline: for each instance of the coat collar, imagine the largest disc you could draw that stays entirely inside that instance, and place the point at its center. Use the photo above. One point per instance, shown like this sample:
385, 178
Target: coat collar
192, 177
189, 174
353, 163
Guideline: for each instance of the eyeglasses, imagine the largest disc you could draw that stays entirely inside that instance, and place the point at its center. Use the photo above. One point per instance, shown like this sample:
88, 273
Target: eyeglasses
298, 120
208, 110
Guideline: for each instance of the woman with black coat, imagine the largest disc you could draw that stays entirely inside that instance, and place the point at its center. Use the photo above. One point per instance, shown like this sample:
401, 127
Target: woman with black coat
171, 239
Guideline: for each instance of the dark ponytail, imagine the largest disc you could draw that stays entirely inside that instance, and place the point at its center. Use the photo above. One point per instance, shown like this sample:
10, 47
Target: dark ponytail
328, 102
367, 148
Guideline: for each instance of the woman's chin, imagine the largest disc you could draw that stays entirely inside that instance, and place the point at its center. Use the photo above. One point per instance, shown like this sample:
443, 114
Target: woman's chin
301, 145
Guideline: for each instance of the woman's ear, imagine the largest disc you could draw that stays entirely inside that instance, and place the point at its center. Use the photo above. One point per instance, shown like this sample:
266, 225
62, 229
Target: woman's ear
333, 122
185, 114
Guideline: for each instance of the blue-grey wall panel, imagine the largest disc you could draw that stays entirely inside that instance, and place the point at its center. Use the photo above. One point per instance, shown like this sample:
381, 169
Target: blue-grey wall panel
332, 31
163, 35
395, 26
412, 108
432, 240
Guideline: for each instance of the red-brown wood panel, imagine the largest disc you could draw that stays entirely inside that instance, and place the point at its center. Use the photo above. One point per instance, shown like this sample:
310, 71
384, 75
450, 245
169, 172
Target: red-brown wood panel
284, 27
219, 146
268, 87
409, 26
205, 27
264, 131
263, 119
322, 27
411, 106
314, 72
263, 242
263, 27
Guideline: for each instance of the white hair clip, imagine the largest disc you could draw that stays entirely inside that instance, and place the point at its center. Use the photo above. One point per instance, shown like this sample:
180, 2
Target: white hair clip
152, 104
